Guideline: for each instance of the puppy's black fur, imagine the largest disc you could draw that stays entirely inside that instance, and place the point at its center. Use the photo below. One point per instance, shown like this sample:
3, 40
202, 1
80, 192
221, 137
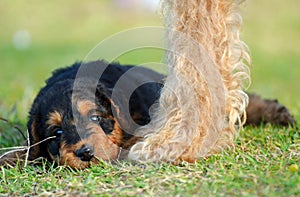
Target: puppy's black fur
80, 121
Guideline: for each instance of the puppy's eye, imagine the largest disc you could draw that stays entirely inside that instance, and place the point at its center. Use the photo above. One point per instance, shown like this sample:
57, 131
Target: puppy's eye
59, 133
95, 118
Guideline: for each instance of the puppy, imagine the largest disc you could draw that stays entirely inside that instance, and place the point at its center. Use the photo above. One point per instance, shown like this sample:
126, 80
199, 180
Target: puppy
79, 117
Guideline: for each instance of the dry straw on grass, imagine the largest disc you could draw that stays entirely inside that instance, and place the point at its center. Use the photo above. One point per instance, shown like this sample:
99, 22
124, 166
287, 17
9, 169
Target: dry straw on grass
19, 153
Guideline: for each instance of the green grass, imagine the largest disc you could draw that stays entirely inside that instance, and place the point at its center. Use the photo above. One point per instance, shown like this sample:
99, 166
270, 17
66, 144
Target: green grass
259, 166
262, 162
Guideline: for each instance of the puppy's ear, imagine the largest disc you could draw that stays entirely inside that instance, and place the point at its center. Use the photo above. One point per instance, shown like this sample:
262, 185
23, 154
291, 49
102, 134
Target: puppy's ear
34, 137
103, 98
120, 107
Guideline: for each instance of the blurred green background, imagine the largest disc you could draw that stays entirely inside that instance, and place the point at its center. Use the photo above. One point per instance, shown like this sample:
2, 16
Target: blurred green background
39, 36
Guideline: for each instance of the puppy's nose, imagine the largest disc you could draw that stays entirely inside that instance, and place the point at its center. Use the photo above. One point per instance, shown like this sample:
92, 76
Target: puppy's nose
85, 153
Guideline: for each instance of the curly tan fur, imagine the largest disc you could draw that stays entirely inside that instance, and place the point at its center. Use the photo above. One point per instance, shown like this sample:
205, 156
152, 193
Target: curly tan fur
206, 55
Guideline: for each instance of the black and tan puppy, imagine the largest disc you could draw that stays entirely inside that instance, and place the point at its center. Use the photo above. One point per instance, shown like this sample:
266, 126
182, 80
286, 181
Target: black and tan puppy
79, 122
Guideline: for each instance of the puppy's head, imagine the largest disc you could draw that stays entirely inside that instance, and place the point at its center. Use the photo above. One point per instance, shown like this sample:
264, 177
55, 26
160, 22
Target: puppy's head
77, 125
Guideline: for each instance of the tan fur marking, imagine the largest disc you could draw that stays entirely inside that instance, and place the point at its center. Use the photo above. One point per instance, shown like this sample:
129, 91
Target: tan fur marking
85, 106
116, 136
129, 143
34, 151
54, 118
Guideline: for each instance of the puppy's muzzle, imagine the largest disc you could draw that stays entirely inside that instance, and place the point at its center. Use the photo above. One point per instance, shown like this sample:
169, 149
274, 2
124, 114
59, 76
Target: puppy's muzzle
85, 153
